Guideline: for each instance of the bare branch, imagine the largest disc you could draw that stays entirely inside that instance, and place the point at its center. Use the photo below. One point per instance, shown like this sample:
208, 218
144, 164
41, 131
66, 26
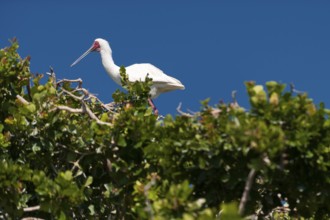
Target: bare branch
85, 92
79, 81
66, 108
178, 109
92, 115
85, 96
76, 163
215, 112
32, 218
247, 188
22, 100
293, 90
146, 189
70, 80
52, 75
72, 95
109, 107
235, 103
84, 109
109, 165
31, 209
192, 112
88, 111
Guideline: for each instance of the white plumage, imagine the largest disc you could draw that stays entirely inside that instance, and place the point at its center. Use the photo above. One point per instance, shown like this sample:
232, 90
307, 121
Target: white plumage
137, 72
161, 82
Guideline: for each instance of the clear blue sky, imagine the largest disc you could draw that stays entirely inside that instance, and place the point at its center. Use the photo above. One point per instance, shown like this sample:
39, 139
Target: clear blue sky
211, 46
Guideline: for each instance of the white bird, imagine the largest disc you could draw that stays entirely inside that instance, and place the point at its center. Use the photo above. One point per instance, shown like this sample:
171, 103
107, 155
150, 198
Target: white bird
137, 72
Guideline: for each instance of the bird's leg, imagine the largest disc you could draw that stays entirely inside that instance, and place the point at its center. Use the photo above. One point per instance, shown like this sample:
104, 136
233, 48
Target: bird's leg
151, 103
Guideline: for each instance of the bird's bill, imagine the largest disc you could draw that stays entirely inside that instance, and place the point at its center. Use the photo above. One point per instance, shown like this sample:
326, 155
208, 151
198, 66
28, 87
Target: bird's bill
83, 55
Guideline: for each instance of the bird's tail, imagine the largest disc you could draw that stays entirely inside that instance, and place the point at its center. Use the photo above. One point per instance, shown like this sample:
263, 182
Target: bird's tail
175, 83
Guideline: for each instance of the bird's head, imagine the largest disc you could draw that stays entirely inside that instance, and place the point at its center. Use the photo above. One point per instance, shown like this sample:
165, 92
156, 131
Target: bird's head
98, 46
101, 44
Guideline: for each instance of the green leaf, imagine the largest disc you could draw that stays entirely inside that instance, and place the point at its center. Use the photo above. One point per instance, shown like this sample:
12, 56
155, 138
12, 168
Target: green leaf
89, 181
31, 107
121, 141
229, 211
148, 112
91, 210
35, 148
62, 216
67, 175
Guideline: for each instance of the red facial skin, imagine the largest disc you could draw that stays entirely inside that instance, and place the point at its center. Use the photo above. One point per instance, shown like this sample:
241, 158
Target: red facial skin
96, 46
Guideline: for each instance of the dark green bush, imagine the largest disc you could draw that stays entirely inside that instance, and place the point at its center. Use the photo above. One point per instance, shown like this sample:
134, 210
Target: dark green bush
65, 154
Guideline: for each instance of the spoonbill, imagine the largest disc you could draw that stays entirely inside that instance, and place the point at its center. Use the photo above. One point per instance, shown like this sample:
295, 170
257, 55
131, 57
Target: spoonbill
137, 72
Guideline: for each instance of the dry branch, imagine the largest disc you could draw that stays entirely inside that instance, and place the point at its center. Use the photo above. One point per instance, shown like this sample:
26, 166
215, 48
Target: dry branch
79, 81
293, 90
84, 97
31, 209
247, 189
146, 189
62, 81
66, 108
93, 116
73, 96
83, 109
32, 218
22, 100
52, 75
178, 109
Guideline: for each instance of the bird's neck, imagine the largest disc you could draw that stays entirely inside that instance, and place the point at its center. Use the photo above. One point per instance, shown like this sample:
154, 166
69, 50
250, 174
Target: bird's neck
109, 65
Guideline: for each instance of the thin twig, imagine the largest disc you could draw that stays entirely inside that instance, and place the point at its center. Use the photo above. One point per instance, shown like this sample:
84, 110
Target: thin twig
76, 162
192, 112
70, 80
65, 147
72, 95
235, 103
247, 188
79, 81
54, 168
52, 75
84, 97
293, 90
178, 109
109, 107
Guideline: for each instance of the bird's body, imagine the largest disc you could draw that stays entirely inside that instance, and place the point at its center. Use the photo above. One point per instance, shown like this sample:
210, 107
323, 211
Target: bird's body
161, 82
137, 72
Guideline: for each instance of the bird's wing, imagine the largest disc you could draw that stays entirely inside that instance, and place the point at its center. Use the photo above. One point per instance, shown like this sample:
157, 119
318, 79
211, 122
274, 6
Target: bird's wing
138, 72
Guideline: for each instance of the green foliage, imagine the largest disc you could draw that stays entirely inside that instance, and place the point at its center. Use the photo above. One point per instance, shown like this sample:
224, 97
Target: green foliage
229, 212
138, 93
64, 152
